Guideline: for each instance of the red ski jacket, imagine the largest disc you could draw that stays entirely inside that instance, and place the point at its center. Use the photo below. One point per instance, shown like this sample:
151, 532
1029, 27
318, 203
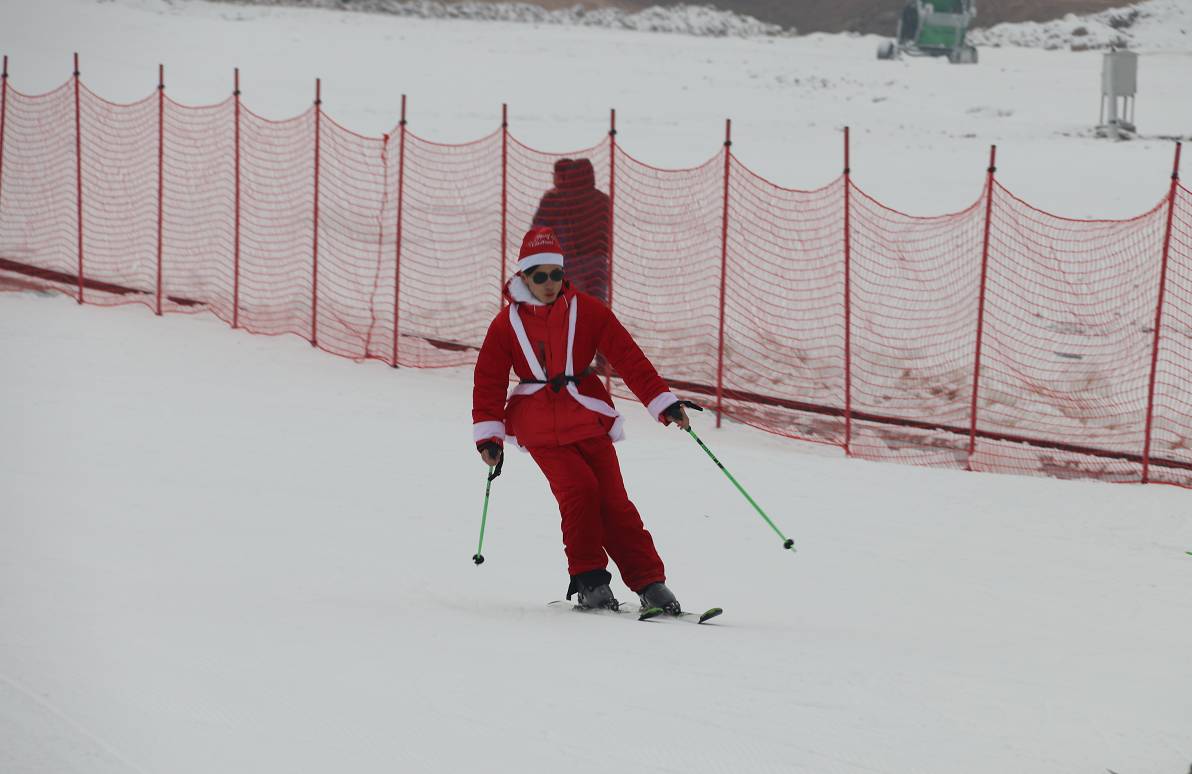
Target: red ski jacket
550, 348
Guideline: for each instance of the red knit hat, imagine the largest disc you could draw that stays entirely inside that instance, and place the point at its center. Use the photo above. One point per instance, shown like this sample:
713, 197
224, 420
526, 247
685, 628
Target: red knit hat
539, 247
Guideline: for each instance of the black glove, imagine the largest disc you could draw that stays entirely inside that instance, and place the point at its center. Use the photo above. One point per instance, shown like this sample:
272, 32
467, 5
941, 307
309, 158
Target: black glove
674, 411
494, 450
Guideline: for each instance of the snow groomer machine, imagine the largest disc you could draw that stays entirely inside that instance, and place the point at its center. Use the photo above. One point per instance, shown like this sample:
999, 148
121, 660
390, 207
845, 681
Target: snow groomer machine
935, 28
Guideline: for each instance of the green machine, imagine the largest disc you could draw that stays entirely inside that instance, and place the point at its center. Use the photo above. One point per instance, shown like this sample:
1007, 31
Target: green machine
933, 28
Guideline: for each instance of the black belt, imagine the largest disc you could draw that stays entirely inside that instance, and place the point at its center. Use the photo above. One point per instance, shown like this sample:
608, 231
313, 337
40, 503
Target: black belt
557, 383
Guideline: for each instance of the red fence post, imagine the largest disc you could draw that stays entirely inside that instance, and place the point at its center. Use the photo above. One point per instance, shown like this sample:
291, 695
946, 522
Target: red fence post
78, 171
504, 200
1150, 399
848, 302
314, 291
161, 115
728, 156
612, 209
236, 237
401, 173
981, 305
3, 115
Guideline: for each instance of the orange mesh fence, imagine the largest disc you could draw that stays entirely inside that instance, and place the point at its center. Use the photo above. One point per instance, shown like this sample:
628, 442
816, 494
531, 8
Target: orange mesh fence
276, 267
451, 259
666, 269
38, 214
783, 298
914, 290
997, 338
199, 208
1170, 452
1066, 357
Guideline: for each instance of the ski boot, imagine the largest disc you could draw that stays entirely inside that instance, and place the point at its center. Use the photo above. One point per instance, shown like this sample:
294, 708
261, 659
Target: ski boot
594, 593
658, 595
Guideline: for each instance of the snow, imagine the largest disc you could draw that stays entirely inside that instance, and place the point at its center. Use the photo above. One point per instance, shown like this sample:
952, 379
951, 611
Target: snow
228, 553
1156, 25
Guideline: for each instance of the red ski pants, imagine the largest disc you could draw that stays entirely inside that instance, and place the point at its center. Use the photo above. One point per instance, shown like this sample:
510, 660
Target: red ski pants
599, 521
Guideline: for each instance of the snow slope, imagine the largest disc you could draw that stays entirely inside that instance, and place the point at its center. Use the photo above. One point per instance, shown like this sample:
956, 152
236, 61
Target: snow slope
227, 553
922, 128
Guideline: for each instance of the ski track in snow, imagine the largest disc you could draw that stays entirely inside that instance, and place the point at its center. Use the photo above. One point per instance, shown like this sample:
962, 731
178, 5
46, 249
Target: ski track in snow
34, 726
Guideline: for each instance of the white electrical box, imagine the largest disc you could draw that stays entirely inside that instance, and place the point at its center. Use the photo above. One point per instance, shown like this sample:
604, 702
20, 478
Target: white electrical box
1119, 74
1119, 83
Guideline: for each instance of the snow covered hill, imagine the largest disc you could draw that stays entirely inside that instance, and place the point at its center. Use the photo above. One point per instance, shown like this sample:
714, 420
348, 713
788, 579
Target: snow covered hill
685, 19
1149, 26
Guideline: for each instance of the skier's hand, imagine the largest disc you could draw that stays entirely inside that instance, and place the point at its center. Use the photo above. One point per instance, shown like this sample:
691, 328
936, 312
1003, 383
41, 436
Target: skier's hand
674, 414
491, 453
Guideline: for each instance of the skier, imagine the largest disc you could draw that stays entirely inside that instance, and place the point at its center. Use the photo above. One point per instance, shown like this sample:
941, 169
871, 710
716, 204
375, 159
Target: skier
578, 213
560, 413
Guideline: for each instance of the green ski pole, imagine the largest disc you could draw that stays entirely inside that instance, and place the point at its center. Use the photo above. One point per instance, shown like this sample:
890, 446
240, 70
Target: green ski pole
787, 543
493, 472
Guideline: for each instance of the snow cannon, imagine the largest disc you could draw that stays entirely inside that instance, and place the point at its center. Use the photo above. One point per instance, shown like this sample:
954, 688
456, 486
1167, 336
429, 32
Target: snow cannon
935, 28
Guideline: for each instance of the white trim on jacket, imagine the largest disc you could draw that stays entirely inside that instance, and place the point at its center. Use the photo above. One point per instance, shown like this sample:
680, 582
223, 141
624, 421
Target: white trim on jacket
617, 431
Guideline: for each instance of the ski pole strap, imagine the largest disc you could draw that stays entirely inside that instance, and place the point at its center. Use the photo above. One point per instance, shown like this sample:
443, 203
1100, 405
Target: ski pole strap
495, 471
674, 410
787, 543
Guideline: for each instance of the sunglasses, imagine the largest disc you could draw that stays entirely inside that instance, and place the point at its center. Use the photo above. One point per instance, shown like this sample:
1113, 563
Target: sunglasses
540, 277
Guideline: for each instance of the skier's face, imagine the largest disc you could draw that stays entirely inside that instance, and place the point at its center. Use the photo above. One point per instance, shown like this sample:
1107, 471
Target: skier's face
547, 290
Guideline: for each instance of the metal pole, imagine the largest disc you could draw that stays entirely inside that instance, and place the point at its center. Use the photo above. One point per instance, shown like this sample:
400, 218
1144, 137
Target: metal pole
1150, 400
314, 293
981, 305
848, 299
612, 209
504, 200
161, 113
3, 116
79, 172
728, 156
401, 172
236, 239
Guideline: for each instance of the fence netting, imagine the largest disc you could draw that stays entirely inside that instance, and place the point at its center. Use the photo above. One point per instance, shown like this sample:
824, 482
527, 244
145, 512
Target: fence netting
1171, 441
996, 338
915, 284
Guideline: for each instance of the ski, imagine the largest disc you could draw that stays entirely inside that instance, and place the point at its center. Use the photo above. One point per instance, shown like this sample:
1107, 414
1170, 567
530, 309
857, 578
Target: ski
648, 613
642, 615
703, 617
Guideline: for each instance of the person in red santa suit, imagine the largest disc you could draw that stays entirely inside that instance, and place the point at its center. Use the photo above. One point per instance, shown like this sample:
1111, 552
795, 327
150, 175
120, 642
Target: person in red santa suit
560, 412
